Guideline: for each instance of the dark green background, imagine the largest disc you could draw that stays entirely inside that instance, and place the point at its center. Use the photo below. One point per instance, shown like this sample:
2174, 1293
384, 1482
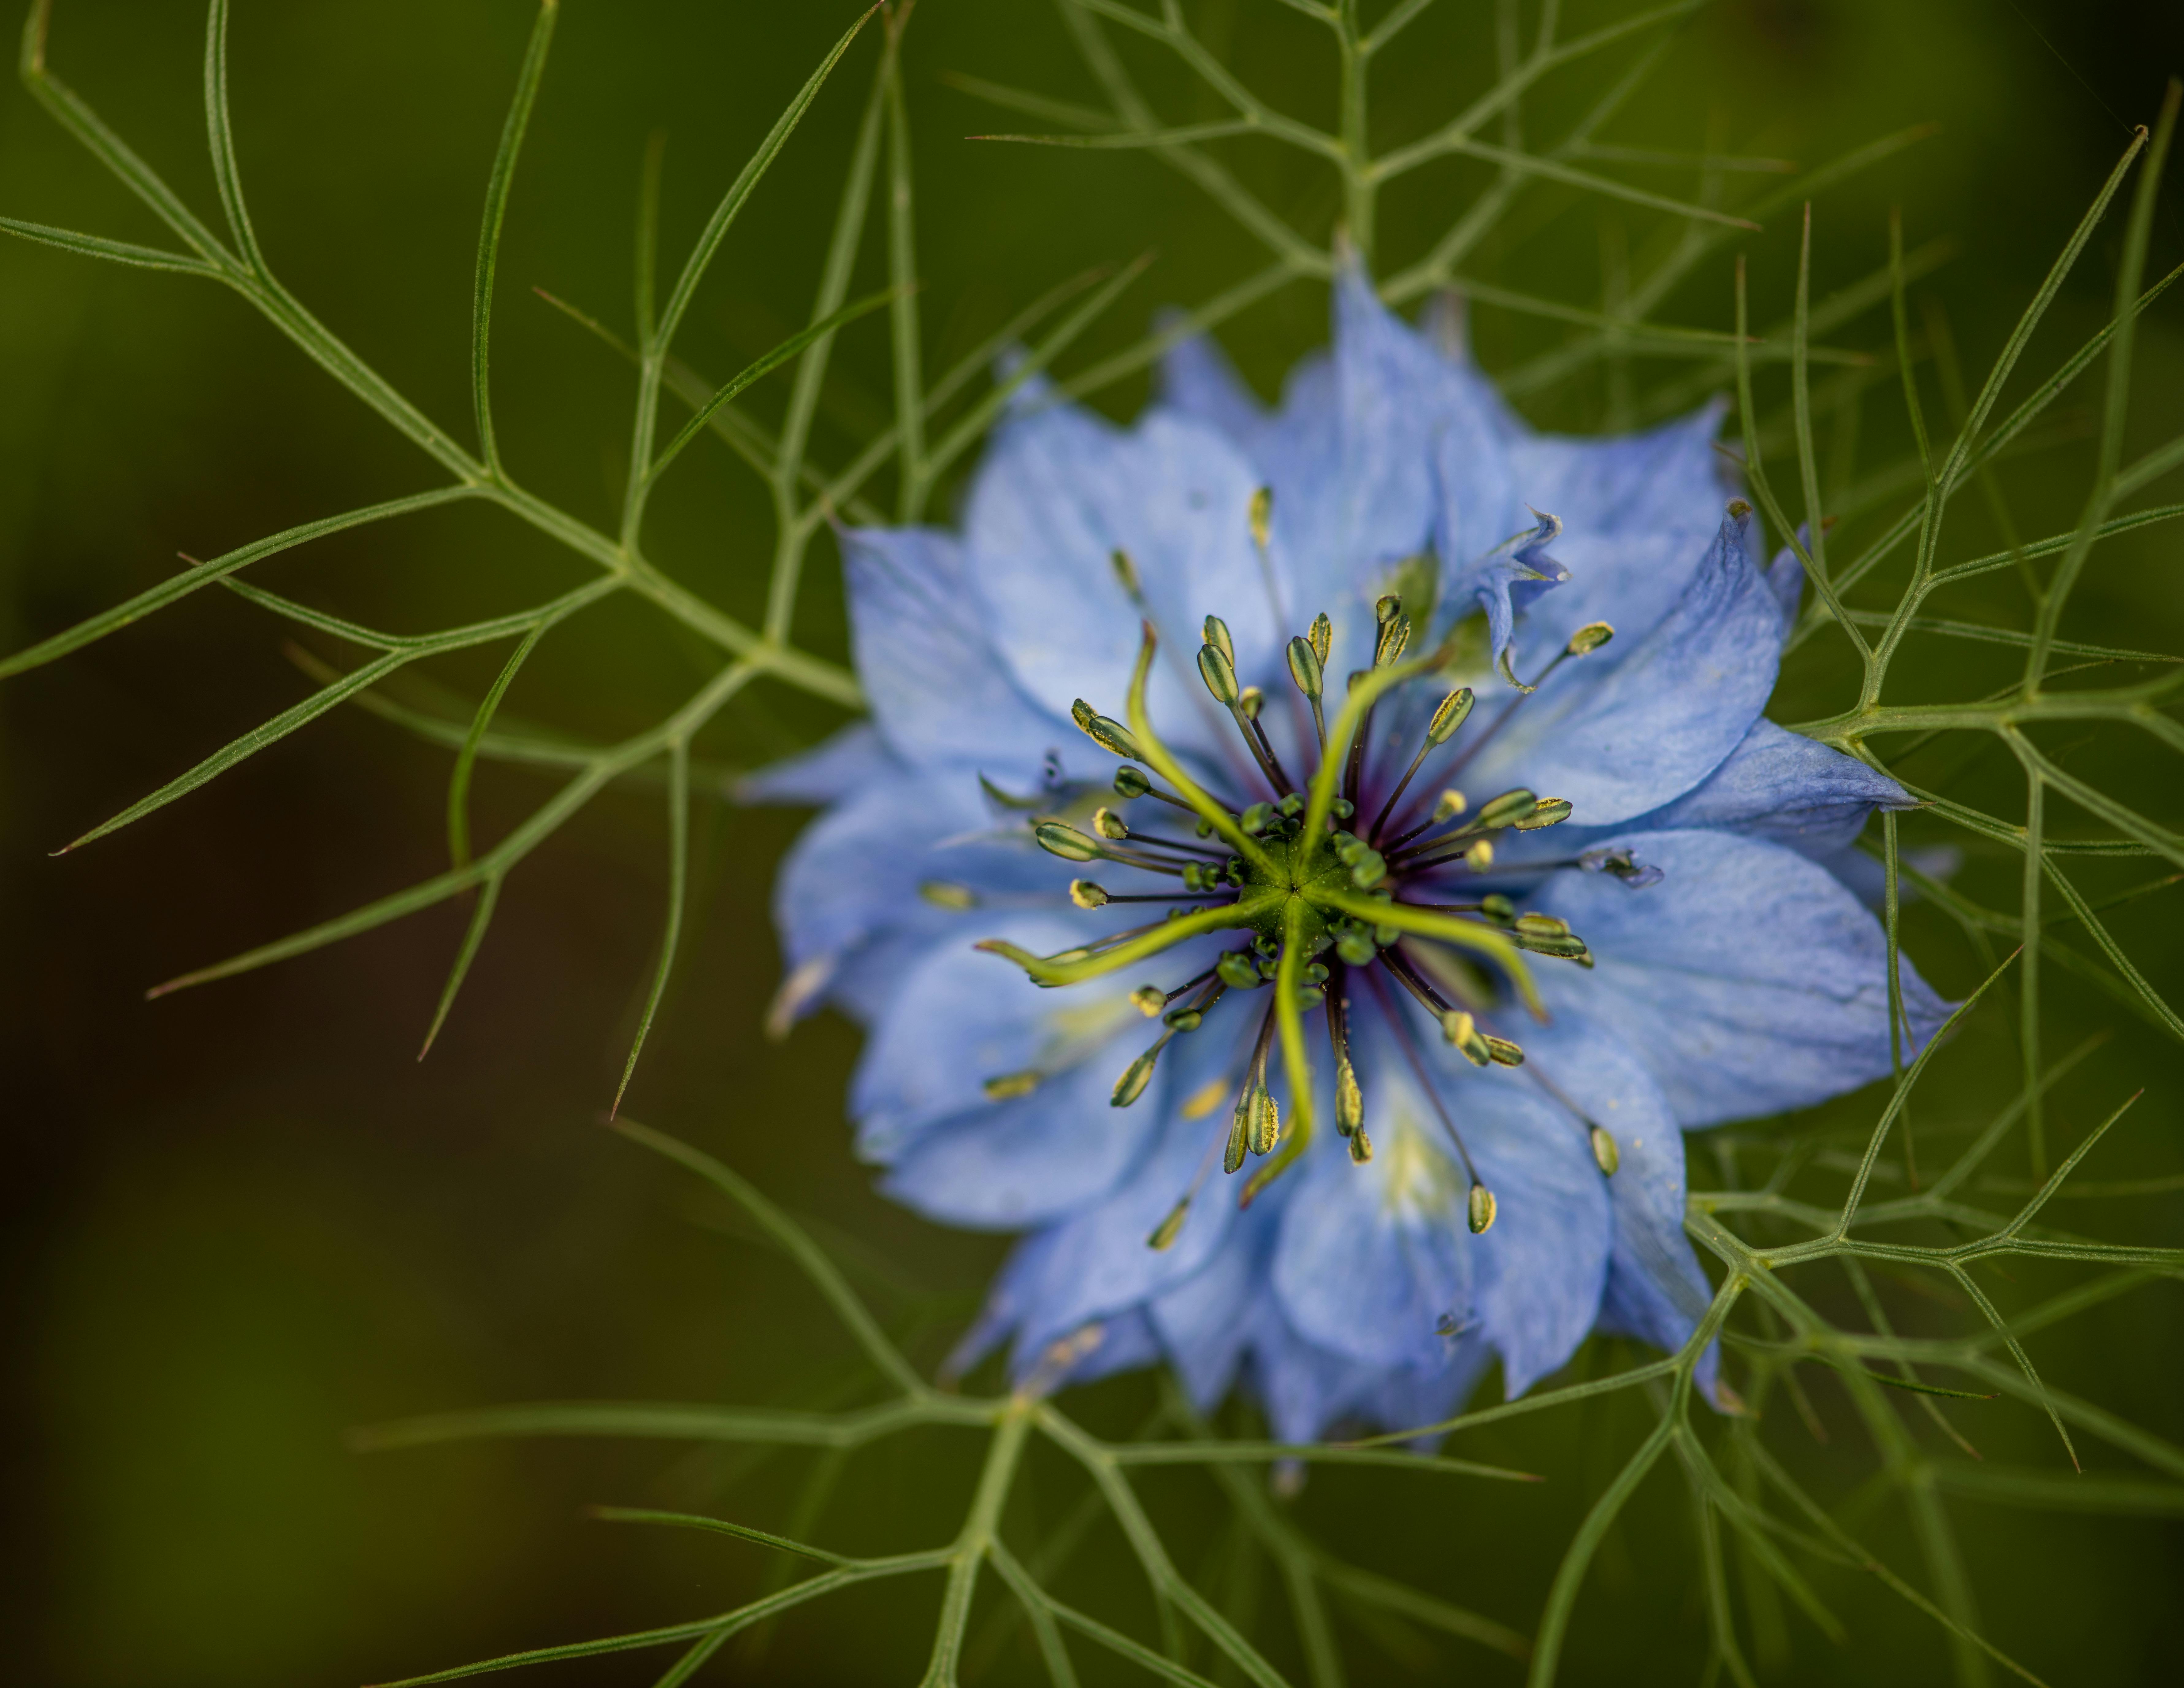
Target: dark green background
242, 1220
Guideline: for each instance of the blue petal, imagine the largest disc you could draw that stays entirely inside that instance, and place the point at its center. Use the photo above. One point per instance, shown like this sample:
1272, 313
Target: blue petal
964, 1017
835, 768
1749, 980
1656, 1291
1785, 578
852, 878
1620, 735
1197, 380
1097, 1261
939, 692
1638, 512
1060, 492
1780, 784
1207, 1322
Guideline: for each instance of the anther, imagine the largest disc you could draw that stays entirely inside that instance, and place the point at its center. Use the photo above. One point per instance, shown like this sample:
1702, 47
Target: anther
1109, 825
1549, 812
1134, 1079
1454, 710
943, 894
1149, 1000
1004, 1086
1321, 637
1131, 782
1109, 734
1087, 894
1249, 701
1065, 841
1126, 572
1237, 971
1447, 806
1501, 1052
1306, 669
1361, 1147
1262, 517
1505, 810
1479, 857
1394, 634
1605, 1152
1590, 638
1463, 1034
1166, 1233
1479, 1209
1218, 670
1265, 1123
1217, 635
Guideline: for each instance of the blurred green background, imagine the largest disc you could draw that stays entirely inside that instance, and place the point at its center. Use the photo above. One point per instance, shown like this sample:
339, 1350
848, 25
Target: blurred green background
244, 1219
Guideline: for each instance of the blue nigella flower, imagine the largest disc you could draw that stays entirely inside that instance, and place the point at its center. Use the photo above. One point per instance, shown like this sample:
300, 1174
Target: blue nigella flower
1372, 1046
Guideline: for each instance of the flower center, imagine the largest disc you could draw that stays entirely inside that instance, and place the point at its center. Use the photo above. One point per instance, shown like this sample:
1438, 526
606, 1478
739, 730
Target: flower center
1346, 886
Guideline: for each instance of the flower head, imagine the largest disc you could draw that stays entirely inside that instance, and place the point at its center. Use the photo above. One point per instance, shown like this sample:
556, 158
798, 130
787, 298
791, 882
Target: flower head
1311, 907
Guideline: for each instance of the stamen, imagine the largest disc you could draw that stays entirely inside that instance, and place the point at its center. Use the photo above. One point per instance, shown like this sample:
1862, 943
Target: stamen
1110, 735
1480, 1205
1454, 710
1245, 1127
1140, 1073
1059, 839
1004, 1086
1217, 667
943, 894
1310, 678
1605, 1153
1584, 642
1349, 1099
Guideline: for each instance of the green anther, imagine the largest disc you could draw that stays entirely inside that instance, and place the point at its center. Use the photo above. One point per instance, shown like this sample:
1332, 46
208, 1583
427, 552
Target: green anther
1306, 669
942, 894
1316, 974
1109, 734
1479, 1209
1292, 806
1590, 638
1218, 670
1135, 1078
1240, 1133
1502, 1053
1131, 783
1087, 894
1166, 1233
1204, 828
1265, 1123
1496, 907
1355, 947
1605, 1152
1237, 971
1217, 635
1248, 700
1384, 936
1266, 946
1551, 811
1542, 926
1065, 841
1386, 609
1149, 1000
1361, 1147
1268, 966
1342, 808
1126, 572
1505, 810
1395, 635
1109, 825
1184, 1018
1369, 870
1446, 807
1463, 1033
1349, 1099
1254, 820
1570, 948
1321, 637
1009, 1084
1262, 517
1453, 711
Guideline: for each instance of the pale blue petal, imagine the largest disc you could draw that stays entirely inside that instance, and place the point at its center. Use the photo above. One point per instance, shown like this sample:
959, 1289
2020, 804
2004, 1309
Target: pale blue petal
1782, 785
1197, 380
1656, 1291
1749, 980
1785, 578
1005, 1166
1638, 512
833, 768
1620, 732
1206, 1322
1060, 492
938, 692
965, 1016
852, 878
